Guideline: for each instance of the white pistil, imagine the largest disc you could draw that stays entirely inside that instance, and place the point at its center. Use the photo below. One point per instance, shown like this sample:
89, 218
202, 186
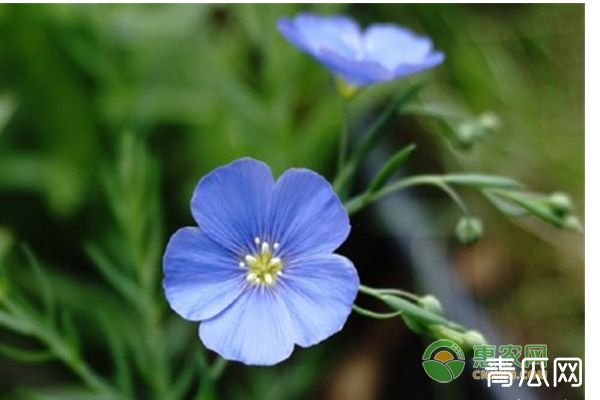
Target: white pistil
241, 264
257, 240
275, 246
250, 260
279, 273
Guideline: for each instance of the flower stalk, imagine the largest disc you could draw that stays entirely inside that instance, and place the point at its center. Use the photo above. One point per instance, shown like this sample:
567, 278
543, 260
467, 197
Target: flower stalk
420, 316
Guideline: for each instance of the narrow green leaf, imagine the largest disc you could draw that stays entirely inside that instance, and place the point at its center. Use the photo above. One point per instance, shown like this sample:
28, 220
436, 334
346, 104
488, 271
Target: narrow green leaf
24, 355
122, 284
14, 324
119, 357
372, 136
58, 393
69, 332
506, 207
184, 379
391, 167
481, 181
535, 204
43, 283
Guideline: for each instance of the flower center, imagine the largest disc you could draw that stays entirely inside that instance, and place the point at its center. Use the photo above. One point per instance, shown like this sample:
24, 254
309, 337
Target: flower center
263, 266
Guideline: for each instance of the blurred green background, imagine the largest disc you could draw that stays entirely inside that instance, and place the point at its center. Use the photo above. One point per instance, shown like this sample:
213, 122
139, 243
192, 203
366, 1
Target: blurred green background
109, 115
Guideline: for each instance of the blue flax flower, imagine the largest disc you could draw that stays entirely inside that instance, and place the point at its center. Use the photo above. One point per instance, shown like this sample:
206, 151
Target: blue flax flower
382, 52
259, 271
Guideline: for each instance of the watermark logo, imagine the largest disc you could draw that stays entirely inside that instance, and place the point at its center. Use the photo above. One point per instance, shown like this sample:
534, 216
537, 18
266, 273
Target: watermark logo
443, 361
529, 366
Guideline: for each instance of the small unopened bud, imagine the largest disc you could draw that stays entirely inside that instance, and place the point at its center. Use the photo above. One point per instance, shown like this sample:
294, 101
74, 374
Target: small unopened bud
469, 230
466, 135
573, 223
489, 121
431, 304
466, 340
472, 338
444, 332
416, 325
561, 203
346, 89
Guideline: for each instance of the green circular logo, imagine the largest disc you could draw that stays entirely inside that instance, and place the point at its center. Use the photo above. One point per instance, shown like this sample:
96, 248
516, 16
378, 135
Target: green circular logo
443, 361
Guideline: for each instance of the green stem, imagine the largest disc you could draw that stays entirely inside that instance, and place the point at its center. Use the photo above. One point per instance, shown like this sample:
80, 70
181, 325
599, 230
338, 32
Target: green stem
217, 369
373, 314
455, 197
399, 292
343, 148
370, 138
410, 309
359, 202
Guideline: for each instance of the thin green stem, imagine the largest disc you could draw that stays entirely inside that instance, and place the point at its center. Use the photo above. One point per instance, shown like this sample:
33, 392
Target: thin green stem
368, 290
455, 197
370, 139
399, 292
375, 315
361, 201
409, 309
217, 369
343, 146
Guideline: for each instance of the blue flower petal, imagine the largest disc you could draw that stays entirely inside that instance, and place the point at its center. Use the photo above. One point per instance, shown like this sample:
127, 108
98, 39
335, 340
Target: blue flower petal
256, 329
356, 72
430, 61
230, 203
201, 277
313, 33
392, 45
319, 292
306, 216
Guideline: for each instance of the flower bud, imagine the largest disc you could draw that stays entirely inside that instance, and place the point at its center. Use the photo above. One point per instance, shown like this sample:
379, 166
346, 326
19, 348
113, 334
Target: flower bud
347, 90
431, 304
489, 121
469, 230
472, 338
466, 134
573, 223
444, 332
561, 203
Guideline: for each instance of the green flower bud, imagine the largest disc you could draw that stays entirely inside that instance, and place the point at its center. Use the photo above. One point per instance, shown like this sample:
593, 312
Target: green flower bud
444, 332
466, 134
573, 223
415, 325
431, 304
472, 338
469, 230
489, 121
466, 340
561, 203
346, 90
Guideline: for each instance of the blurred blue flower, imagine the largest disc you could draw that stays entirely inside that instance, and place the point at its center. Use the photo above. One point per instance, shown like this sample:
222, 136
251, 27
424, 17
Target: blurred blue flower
259, 271
381, 53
